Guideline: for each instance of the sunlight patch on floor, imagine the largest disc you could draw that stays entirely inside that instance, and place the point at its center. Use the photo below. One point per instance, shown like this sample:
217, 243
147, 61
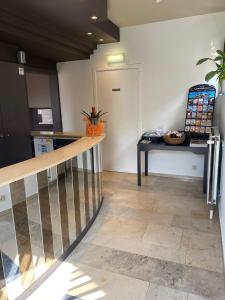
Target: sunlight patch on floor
68, 280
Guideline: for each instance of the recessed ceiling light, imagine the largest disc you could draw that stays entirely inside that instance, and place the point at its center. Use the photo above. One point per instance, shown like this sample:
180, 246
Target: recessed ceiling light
101, 40
89, 33
94, 18
158, 1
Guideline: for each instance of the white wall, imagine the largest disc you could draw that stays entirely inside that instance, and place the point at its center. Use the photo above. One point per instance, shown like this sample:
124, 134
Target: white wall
220, 122
76, 92
167, 53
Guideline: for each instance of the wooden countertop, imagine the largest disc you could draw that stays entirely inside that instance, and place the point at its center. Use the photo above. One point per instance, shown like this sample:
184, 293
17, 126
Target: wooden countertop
56, 134
37, 164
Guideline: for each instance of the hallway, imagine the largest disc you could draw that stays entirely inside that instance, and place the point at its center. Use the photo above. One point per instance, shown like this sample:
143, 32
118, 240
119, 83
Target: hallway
148, 243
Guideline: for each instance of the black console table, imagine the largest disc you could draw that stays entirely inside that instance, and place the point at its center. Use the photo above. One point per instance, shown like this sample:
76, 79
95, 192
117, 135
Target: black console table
142, 147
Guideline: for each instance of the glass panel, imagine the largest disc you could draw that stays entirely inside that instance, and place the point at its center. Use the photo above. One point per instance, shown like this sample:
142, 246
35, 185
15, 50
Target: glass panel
81, 190
3, 291
18, 197
90, 184
61, 170
98, 174
93, 181
76, 197
100, 171
70, 201
35, 226
42, 179
55, 211
8, 245
86, 188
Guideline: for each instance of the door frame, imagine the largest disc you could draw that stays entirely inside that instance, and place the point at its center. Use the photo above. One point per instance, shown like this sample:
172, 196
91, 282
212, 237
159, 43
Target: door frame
137, 67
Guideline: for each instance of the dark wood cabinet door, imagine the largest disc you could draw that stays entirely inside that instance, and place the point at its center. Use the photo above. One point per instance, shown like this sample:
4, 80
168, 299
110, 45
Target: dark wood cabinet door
2, 140
15, 113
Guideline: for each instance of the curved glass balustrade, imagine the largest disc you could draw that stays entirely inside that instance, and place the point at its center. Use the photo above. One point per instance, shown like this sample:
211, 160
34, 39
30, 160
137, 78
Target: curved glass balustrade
42, 216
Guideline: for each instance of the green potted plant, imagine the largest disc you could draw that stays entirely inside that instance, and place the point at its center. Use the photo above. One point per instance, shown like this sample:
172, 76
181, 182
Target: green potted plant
219, 62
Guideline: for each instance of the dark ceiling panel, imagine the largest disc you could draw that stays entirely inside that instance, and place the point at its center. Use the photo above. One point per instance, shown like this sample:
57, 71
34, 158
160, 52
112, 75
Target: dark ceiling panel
56, 29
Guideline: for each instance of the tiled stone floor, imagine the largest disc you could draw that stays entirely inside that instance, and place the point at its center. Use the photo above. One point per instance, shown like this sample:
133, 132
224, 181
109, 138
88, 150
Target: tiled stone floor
148, 243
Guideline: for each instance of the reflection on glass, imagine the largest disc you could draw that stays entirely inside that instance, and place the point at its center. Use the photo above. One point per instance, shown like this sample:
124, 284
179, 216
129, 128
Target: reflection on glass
55, 211
98, 174
90, 182
3, 291
70, 201
42, 179
76, 197
35, 226
8, 245
18, 197
86, 188
61, 170
100, 171
81, 190
93, 181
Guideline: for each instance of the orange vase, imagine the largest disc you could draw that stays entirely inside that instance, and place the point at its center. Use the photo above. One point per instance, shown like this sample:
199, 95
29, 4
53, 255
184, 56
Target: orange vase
94, 130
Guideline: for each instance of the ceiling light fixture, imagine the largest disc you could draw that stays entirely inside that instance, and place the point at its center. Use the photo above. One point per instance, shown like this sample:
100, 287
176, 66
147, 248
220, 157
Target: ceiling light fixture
89, 33
101, 40
94, 18
158, 1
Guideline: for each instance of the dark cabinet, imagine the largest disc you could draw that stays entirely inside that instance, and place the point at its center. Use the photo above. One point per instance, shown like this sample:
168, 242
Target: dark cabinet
15, 143
2, 152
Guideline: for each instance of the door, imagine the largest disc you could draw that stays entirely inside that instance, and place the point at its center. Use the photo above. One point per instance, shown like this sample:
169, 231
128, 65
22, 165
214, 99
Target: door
117, 93
14, 113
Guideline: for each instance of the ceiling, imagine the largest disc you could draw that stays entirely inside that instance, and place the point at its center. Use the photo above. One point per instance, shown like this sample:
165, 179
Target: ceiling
56, 29
136, 12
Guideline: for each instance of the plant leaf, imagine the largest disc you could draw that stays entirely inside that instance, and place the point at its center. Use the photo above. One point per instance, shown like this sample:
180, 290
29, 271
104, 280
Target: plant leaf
210, 75
103, 114
221, 53
219, 57
201, 61
85, 114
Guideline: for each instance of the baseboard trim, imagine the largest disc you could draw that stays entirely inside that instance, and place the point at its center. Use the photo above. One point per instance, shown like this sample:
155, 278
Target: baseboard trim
183, 177
194, 178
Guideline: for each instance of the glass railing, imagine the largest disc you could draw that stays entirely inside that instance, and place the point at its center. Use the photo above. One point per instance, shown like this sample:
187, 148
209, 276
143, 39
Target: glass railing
42, 218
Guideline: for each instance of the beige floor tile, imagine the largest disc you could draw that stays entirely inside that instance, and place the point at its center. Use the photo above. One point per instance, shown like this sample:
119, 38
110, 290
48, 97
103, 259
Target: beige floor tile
131, 245
170, 253
200, 260
120, 227
205, 243
197, 224
112, 286
87, 283
163, 236
149, 217
163, 293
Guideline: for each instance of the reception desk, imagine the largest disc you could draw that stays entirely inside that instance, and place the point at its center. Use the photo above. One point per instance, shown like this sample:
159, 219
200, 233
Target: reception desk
47, 204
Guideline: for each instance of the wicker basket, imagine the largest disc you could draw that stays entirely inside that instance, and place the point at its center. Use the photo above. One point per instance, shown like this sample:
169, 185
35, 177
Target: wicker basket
174, 141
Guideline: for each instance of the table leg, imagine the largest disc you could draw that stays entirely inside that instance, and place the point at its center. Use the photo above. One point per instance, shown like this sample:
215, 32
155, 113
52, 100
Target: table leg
138, 166
146, 163
205, 173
